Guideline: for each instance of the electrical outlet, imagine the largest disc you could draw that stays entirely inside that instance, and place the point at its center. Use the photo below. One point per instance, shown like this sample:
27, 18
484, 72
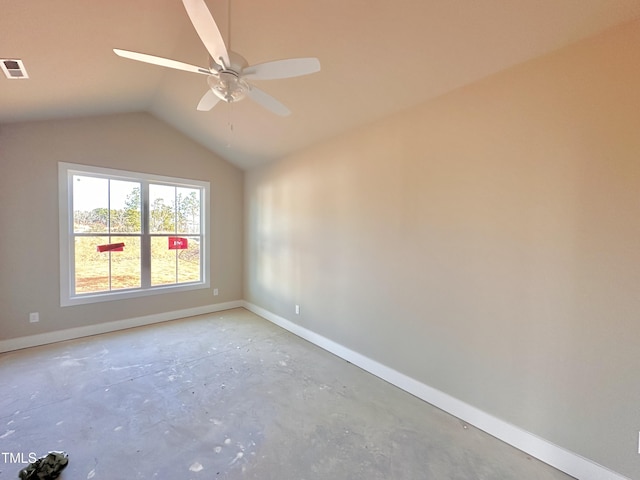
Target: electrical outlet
34, 317
215, 292
297, 309
638, 442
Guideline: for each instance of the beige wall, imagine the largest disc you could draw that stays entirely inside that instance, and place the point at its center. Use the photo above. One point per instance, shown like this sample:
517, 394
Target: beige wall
29, 250
486, 244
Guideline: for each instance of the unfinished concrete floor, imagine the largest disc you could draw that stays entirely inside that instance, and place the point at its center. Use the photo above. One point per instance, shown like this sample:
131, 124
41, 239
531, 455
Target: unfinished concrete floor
230, 396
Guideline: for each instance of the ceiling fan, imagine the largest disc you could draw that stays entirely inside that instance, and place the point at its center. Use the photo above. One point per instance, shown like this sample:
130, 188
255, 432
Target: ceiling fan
228, 74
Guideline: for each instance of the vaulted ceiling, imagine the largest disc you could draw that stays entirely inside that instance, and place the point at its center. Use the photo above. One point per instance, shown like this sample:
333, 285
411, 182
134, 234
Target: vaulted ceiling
378, 57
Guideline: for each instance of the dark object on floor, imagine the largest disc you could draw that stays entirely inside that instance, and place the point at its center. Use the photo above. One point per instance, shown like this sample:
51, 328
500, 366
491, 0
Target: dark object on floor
45, 468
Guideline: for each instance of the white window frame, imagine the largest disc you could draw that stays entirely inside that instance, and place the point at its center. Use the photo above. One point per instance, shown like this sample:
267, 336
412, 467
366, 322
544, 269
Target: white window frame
67, 250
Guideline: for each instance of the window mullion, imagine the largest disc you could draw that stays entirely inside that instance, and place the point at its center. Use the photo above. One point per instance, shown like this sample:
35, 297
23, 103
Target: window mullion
175, 227
145, 238
109, 228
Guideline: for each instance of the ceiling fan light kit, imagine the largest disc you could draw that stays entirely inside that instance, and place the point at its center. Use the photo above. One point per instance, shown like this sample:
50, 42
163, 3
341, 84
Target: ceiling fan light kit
228, 86
228, 71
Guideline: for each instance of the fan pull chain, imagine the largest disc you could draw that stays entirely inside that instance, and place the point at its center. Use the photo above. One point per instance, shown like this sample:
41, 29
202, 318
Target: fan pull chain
230, 124
230, 135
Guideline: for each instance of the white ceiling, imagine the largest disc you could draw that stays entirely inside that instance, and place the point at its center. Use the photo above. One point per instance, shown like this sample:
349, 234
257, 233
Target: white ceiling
378, 57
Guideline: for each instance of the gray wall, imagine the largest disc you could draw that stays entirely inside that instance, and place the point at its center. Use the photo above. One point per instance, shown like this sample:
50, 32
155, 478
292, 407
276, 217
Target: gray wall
29, 246
486, 243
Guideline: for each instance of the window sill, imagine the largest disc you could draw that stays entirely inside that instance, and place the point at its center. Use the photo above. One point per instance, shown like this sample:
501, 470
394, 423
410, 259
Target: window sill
89, 298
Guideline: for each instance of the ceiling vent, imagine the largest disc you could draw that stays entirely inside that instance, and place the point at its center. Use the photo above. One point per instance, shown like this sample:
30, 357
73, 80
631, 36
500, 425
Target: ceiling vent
13, 68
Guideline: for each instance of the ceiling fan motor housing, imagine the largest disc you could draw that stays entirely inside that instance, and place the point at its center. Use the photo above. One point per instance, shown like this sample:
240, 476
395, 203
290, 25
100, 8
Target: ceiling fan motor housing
227, 84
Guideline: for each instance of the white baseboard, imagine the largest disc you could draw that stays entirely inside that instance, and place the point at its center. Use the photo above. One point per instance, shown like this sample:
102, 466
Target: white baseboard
549, 453
558, 457
88, 330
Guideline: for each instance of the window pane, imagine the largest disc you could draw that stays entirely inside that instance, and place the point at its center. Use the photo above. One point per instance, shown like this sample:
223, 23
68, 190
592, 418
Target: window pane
92, 267
189, 261
162, 212
188, 210
125, 206
90, 204
125, 265
163, 262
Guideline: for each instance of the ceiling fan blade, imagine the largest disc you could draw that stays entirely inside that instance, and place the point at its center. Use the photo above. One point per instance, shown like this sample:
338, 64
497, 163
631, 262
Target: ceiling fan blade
293, 67
207, 30
208, 101
267, 101
163, 62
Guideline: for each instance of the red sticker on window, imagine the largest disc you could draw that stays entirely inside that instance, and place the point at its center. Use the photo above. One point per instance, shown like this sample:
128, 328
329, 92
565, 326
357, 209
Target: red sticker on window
178, 243
111, 247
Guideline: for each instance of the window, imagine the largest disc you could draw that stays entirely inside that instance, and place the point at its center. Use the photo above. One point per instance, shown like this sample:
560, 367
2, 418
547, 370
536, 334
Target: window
126, 234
